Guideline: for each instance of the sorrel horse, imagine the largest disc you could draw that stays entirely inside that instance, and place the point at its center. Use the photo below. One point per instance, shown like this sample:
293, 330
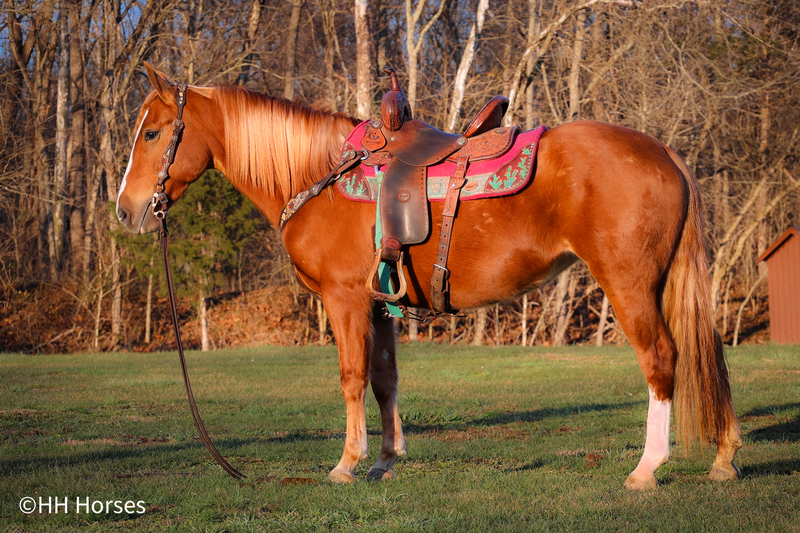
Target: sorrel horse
617, 199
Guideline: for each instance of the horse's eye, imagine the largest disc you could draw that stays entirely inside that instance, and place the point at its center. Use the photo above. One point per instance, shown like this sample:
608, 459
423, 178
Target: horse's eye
150, 135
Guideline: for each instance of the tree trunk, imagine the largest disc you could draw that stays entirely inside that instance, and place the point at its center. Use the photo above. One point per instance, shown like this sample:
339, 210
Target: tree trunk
575, 68
542, 316
192, 15
322, 320
76, 147
328, 12
60, 168
203, 309
498, 335
413, 46
565, 291
525, 319
480, 327
380, 34
42, 80
413, 329
725, 302
108, 110
148, 311
362, 61
530, 117
97, 315
290, 50
762, 235
92, 193
601, 326
249, 44
465, 64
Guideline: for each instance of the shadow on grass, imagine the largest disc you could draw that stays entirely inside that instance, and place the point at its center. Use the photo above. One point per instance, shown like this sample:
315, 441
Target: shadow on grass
786, 467
69, 459
228, 446
535, 465
517, 416
784, 431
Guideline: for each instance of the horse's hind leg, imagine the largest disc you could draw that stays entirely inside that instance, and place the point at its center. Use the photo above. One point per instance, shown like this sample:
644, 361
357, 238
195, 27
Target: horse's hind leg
729, 439
383, 376
645, 328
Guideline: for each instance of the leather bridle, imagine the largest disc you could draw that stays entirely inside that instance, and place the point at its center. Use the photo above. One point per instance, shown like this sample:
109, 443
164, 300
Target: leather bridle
159, 206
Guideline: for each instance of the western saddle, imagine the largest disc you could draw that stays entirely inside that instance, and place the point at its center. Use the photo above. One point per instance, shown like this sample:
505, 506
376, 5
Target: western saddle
409, 146
405, 148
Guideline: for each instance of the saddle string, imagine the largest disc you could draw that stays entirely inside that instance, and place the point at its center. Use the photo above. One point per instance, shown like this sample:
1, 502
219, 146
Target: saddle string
160, 199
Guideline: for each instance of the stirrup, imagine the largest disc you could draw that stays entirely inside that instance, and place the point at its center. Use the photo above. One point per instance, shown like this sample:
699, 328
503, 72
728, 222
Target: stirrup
373, 274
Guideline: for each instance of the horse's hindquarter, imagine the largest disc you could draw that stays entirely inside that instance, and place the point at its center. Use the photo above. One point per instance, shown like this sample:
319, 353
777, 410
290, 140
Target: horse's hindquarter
607, 194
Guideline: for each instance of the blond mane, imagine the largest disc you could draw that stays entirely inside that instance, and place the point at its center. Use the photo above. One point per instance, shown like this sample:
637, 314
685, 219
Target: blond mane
277, 145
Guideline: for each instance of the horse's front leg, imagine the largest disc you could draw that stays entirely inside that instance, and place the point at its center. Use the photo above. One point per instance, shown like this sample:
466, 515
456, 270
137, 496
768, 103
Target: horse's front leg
350, 312
383, 375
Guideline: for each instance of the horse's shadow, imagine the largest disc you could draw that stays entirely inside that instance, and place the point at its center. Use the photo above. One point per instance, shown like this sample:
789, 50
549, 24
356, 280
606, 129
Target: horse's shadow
229, 446
785, 467
537, 415
782, 431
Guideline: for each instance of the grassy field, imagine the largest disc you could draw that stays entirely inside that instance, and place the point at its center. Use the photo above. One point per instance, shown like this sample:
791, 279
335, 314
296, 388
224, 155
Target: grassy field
509, 439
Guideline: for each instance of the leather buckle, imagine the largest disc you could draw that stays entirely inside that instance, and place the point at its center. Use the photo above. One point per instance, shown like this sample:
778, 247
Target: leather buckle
159, 198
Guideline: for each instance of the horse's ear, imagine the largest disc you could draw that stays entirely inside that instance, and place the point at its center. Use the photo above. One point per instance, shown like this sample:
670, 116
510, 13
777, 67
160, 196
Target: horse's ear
161, 84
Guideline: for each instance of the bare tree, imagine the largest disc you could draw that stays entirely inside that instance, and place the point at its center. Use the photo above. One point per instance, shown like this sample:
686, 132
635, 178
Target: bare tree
363, 95
414, 45
290, 49
464, 66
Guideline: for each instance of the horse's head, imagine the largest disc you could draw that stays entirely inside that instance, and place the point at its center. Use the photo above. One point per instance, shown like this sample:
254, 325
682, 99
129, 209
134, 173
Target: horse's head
154, 127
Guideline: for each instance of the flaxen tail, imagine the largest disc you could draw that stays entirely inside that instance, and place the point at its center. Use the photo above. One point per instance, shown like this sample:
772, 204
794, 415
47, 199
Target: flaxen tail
702, 398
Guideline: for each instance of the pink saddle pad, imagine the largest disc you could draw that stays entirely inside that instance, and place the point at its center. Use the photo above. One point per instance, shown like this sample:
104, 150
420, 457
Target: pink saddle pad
502, 176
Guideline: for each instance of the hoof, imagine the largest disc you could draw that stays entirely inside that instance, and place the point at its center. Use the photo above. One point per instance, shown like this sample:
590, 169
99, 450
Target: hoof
379, 474
640, 483
724, 472
340, 478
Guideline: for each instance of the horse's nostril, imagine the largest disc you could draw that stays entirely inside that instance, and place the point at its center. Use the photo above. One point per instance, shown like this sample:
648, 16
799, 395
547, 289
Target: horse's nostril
122, 215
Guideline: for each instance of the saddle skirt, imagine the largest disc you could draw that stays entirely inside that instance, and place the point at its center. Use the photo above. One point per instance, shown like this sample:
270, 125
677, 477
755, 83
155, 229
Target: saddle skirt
504, 175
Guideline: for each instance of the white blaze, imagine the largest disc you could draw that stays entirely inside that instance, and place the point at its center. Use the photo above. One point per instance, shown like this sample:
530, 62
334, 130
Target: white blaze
130, 159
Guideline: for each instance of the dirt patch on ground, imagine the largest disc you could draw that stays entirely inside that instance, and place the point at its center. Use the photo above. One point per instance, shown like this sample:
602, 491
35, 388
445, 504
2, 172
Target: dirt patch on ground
129, 442
571, 357
17, 413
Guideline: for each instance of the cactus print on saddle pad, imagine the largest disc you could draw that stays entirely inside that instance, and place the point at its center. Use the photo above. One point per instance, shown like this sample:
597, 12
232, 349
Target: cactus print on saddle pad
501, 176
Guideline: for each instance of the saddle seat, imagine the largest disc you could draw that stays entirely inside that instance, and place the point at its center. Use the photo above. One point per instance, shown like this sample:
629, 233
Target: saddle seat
421, 145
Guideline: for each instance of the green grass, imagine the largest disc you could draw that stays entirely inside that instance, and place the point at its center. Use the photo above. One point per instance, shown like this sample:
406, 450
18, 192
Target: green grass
507, 439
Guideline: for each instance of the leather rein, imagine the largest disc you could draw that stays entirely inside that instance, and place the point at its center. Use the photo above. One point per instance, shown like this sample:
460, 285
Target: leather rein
159, 206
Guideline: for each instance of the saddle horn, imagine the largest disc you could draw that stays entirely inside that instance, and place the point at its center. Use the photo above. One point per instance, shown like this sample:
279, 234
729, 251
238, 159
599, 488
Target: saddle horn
395, 109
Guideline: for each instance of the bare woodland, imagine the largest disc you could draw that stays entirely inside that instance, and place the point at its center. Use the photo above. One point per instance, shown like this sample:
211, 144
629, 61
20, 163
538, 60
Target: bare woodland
715, 80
